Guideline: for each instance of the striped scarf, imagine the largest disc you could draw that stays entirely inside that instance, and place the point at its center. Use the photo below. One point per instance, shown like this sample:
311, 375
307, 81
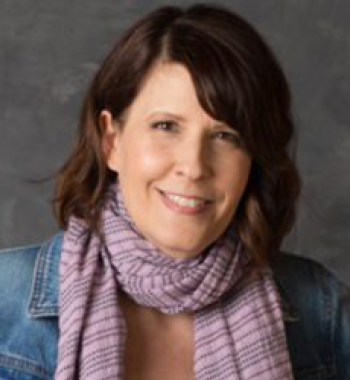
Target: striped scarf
238, 325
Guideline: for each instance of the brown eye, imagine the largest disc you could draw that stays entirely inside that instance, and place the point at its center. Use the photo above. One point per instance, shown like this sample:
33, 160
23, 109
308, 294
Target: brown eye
230, 137
164, 125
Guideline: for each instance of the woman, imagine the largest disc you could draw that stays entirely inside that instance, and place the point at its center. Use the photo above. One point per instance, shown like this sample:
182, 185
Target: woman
174, 204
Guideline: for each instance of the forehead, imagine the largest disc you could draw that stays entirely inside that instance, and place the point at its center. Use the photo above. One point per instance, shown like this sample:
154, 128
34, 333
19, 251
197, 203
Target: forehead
167, 88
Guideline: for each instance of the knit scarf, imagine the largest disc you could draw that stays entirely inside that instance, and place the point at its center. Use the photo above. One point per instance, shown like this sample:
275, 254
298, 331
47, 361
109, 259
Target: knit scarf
238, 326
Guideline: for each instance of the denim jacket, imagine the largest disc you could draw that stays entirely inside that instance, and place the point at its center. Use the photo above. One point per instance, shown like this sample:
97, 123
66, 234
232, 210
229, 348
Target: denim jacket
316, 308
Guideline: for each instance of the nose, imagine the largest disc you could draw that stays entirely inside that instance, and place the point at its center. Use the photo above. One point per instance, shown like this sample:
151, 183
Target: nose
193, 160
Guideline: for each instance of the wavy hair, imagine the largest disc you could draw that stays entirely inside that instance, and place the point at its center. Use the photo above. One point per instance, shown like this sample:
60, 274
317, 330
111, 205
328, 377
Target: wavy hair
237, 80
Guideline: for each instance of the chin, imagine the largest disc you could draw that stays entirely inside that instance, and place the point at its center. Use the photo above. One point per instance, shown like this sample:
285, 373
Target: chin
180, 243
183, 251
181, 254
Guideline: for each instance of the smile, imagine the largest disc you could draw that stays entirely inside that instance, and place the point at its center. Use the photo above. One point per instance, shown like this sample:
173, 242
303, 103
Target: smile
184, 204
182, 201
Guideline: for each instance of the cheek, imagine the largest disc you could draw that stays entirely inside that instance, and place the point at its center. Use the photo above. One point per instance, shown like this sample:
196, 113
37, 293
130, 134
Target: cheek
145, 160
235, 178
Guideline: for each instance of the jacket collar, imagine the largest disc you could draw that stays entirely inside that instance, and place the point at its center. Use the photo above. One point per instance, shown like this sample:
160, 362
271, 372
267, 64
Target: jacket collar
45, 287
44, 300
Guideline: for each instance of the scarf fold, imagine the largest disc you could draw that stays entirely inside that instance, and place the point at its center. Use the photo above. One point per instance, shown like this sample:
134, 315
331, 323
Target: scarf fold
238, 325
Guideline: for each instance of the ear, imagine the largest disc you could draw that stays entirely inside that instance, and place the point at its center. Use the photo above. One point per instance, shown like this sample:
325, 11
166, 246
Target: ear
110, 138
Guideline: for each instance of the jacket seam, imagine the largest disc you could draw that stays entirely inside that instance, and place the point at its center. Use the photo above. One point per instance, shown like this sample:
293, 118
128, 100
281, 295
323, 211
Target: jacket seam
35, 308
20, 248
36, 283
322, 277
23, 364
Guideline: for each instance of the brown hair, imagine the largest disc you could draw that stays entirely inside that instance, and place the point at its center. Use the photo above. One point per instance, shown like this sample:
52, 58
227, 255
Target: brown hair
237, 81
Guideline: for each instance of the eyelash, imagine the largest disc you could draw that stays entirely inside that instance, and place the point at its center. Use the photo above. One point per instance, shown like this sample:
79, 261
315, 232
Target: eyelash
160, 125
171, 126
230, 137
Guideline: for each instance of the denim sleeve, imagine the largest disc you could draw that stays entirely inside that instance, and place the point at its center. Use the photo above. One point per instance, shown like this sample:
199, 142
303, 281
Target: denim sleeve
342, 329
338, 295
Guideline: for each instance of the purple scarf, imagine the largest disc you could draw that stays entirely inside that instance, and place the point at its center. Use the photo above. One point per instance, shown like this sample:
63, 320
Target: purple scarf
238, 325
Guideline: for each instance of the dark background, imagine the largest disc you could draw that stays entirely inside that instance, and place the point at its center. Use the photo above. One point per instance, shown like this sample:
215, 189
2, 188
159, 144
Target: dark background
49, 50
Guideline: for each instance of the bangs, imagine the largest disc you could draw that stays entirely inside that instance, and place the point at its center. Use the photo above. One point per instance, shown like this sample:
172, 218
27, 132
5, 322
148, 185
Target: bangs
219, 76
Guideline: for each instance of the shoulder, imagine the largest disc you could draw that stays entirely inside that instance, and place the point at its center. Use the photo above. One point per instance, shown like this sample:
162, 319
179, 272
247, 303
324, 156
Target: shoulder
317, 308
31, 273
287, 263
28, 310
16, 266
298, 276
309, 285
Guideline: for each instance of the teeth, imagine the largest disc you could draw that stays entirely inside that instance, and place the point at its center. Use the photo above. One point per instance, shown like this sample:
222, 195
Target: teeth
185, 201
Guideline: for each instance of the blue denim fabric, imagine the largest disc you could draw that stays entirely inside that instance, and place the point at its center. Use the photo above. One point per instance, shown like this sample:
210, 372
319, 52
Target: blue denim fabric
316, 310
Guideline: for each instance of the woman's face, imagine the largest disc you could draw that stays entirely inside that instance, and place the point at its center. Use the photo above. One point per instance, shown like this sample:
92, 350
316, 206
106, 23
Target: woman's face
181, 173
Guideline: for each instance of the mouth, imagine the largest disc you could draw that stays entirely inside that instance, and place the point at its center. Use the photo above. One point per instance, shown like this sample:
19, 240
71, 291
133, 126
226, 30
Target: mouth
187, 204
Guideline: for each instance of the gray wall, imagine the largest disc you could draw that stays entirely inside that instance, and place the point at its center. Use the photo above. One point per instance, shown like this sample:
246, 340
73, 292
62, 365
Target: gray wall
49, 50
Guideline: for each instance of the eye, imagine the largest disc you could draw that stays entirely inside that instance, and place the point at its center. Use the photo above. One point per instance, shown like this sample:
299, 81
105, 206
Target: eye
164, 125
230, 137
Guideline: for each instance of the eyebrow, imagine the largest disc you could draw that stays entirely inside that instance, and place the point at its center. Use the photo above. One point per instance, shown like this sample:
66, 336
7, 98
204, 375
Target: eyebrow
167, 114
180, 118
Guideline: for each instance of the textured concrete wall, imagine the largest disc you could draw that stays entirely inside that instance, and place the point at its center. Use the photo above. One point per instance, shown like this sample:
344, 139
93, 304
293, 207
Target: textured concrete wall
49, 50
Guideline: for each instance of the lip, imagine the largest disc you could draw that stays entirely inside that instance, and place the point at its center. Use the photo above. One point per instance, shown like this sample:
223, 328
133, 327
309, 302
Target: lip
195, 197
182, 209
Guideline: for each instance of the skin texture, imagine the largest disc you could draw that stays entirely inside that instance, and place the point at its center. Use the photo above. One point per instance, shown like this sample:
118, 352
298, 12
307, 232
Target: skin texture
170, 145
170, 356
